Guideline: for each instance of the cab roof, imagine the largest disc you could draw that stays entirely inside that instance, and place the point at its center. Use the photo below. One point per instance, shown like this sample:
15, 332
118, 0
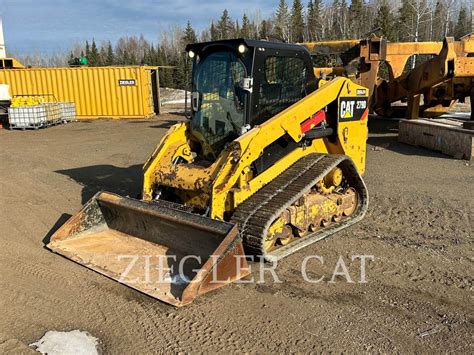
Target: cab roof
251, 43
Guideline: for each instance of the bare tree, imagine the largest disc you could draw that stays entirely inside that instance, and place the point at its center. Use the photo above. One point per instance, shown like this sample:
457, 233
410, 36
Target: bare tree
422, 12
449, 8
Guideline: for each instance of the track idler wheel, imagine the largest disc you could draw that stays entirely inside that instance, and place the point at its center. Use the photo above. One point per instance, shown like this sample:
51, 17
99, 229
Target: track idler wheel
280, 237
355, 202
286, 236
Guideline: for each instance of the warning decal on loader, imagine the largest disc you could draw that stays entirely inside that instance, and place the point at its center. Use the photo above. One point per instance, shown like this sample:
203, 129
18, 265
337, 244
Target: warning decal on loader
352, 108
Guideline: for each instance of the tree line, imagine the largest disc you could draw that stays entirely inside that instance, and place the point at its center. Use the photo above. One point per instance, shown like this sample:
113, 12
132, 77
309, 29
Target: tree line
399, 20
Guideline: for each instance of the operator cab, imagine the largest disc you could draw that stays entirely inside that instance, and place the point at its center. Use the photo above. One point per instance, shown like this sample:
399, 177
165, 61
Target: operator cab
239, 83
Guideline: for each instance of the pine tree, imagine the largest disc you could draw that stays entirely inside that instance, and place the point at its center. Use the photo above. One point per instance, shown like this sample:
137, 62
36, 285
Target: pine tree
166, 74
236, 29
71, 60
310, 21
150, 57
253, 30
245, 32
132, 59
225, 26
102, 56
183, 71
214, 32
263, 32
318, 8
189, 35
462, 26
179, 72
339, 21
438, 21
110, 58
93, 57
356, 18
344, 23
297, 22
88, 51
386, 21
146, 60
282, 22
406, 21
314, 22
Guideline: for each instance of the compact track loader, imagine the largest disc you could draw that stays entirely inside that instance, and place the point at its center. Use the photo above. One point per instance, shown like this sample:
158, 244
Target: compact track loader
267, 164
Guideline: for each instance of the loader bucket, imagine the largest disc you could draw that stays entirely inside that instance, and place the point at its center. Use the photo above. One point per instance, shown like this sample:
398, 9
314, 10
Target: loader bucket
162, 251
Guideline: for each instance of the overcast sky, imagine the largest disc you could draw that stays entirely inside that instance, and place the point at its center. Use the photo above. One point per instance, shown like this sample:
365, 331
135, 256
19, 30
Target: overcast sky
55, 25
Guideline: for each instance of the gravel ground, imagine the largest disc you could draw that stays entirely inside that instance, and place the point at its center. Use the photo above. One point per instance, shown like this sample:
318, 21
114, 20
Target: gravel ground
417, 298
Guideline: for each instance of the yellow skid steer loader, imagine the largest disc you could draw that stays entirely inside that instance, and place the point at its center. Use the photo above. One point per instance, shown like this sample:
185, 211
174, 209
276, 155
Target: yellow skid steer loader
267, 164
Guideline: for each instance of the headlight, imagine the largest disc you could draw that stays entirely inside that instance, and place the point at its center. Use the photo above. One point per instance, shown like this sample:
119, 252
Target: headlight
242, 49
191, 54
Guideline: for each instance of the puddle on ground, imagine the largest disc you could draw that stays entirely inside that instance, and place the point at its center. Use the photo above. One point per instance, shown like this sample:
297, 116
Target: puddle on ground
75, 342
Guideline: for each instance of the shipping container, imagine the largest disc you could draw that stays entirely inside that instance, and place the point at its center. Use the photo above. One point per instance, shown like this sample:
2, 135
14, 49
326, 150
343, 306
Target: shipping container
98, 92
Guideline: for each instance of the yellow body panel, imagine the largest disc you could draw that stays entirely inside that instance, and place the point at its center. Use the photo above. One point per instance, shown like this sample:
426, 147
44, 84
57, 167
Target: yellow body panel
228, 181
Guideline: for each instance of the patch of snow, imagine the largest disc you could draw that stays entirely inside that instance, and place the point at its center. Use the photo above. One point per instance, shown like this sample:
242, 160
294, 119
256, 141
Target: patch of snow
67, 343
175, 101
171, 96
179, 280
462, 115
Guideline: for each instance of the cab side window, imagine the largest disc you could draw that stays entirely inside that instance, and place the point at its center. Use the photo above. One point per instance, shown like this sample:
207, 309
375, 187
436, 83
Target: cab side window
283, 85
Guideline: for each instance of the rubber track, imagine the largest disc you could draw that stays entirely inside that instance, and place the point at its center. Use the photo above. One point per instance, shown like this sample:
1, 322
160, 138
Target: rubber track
255, 215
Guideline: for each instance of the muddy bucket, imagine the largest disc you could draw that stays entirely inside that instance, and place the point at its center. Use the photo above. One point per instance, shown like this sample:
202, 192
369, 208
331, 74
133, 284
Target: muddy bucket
162, 251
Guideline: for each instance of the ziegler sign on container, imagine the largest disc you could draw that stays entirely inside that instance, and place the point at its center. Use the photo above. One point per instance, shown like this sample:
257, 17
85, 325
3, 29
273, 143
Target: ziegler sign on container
99, 92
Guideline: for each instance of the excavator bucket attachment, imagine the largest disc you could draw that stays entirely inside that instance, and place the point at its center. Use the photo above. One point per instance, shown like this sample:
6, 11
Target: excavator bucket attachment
161, 250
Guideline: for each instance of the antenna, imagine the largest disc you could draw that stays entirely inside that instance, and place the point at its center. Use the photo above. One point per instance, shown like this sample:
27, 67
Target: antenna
3, 53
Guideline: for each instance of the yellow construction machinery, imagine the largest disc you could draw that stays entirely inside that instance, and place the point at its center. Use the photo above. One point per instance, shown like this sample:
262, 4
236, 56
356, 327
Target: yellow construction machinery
447, 76
267, 164
358, 60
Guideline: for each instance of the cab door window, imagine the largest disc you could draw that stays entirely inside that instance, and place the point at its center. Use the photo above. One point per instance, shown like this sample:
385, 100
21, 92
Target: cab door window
283, 85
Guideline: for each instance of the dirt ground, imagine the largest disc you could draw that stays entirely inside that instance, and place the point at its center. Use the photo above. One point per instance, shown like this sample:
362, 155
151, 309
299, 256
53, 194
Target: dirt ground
418, 295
